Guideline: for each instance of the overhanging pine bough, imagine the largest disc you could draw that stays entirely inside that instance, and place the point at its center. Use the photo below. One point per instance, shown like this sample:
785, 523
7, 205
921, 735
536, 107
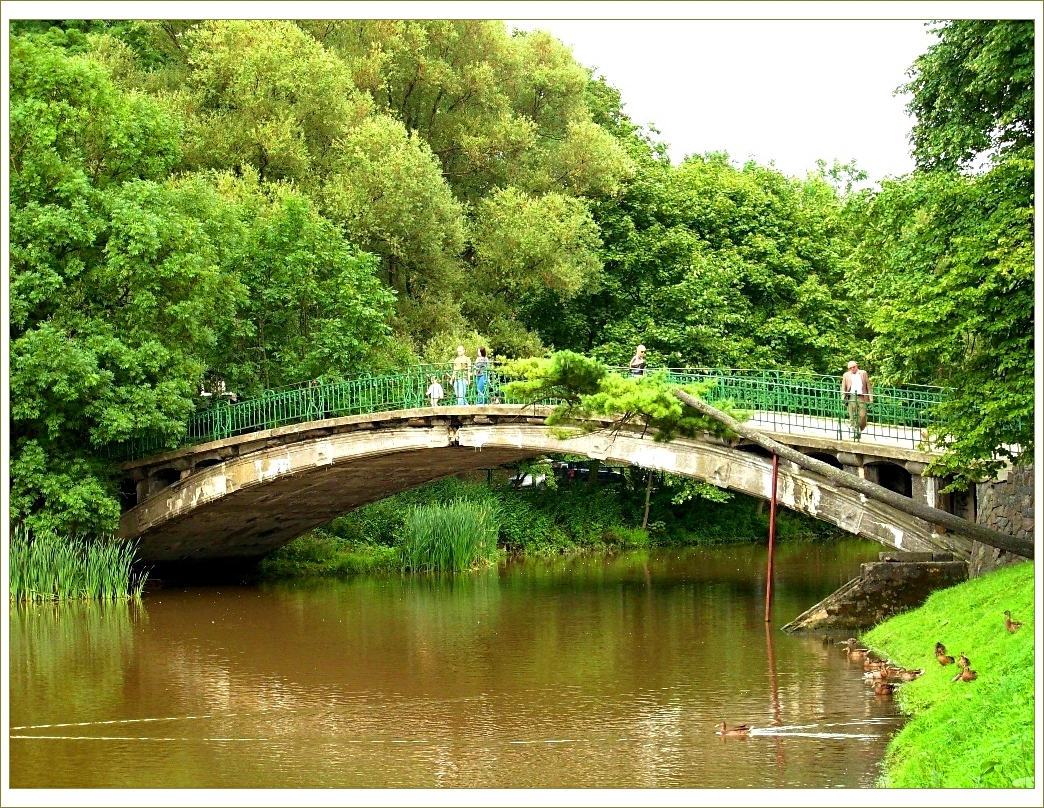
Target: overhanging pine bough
963, 527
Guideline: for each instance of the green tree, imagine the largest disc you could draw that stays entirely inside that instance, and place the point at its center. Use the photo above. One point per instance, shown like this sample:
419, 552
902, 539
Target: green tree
947, 271
262, 93
116, 285
507, 121
946, 254
128, 284
386, 189
711, 265
972, 92
589, 394
314, 305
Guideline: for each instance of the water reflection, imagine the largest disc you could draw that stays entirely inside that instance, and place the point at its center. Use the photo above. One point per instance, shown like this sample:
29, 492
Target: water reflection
575, 672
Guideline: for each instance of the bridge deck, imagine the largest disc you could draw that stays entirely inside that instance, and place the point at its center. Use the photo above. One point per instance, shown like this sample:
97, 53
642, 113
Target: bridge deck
784, 425
797, 403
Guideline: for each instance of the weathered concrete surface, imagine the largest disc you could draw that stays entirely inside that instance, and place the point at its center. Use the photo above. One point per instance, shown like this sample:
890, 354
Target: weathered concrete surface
246, 496
249, 506
1006, 504
717, 462
883, 589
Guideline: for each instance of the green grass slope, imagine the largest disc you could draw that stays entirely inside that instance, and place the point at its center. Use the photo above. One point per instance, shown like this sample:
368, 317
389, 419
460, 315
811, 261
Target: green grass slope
976, 734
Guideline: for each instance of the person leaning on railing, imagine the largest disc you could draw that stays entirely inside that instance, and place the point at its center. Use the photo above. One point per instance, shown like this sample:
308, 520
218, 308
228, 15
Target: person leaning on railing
857, 393
461, 375
481, 367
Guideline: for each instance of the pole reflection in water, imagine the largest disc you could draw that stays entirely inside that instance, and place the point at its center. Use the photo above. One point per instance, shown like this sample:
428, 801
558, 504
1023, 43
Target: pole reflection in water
585, 672
777, 721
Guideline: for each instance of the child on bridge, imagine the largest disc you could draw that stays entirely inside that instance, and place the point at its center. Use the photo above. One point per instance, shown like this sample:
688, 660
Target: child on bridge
435, 391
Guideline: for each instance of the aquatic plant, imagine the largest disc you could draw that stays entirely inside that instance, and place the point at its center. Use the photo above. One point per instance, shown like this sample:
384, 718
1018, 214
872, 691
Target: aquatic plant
449, 537
46, 567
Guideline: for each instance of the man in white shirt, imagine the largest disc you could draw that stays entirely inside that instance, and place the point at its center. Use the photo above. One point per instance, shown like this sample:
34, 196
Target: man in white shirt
855, 390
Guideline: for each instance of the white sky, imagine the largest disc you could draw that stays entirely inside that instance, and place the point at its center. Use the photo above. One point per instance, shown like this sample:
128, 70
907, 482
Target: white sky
788, 91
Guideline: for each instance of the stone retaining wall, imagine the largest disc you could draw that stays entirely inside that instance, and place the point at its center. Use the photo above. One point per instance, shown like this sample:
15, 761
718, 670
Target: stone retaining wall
1005, 504
897, 583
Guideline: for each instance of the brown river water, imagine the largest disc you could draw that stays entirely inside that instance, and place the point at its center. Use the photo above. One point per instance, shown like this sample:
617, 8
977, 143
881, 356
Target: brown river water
584, 672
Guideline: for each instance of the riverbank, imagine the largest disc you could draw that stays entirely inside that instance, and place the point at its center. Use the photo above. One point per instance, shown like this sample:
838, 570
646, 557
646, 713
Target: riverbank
536, 522
976, 734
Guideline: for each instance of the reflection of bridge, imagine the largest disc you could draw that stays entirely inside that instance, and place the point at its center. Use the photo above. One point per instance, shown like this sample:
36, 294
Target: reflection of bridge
252, 475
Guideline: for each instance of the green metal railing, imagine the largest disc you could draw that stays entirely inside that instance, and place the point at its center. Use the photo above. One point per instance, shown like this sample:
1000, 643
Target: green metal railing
781, 400
787, 401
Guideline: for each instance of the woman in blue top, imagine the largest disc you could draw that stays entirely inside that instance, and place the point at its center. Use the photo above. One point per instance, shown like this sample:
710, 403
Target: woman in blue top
481, 367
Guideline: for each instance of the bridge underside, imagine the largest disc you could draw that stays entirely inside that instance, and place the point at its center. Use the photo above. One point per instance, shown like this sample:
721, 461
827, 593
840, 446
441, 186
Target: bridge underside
253, 521
245, 497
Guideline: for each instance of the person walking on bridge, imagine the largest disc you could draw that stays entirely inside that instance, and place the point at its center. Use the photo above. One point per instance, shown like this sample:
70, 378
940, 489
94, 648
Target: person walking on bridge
435, 391
856, 392
638, 363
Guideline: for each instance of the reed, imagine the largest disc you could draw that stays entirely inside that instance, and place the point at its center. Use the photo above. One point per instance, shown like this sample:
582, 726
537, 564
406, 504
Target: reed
45, 567
450, 537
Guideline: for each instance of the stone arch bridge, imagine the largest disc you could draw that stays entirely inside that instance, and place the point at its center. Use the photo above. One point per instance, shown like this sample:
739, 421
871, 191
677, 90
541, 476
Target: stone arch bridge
245, 495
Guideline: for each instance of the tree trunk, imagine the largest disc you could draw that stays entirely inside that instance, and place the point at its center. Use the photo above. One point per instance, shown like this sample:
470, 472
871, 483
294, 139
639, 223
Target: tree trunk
648, 492
934, 516
592, 472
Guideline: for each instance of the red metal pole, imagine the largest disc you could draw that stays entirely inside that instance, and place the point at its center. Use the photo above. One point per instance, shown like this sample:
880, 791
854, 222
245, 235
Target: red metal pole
772, 539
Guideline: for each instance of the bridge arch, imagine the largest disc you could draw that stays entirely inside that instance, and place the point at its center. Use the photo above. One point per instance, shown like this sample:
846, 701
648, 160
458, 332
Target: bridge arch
246, 496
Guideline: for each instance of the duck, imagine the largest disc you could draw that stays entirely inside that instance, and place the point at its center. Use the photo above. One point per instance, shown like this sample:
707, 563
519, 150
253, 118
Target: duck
962, 660
1011, 625
909, 676
874, 664
966, 675
884, 688
940, 654
853, 652
742, 729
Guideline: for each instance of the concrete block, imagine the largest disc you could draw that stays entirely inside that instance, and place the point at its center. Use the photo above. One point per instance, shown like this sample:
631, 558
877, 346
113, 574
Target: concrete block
882, 590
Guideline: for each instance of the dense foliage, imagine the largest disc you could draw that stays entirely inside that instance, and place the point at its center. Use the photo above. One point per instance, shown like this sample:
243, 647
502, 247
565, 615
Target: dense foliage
263, 202
945, 256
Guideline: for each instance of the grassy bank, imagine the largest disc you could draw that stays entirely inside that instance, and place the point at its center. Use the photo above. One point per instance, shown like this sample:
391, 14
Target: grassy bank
532, 522
976, 734
47, 567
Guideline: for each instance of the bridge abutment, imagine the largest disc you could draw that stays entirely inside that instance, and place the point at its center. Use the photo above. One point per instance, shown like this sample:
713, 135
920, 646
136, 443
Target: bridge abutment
1007, 504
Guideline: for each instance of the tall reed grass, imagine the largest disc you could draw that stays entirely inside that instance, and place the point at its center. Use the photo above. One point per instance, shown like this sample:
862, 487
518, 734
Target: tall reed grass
449, 537
45, 567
